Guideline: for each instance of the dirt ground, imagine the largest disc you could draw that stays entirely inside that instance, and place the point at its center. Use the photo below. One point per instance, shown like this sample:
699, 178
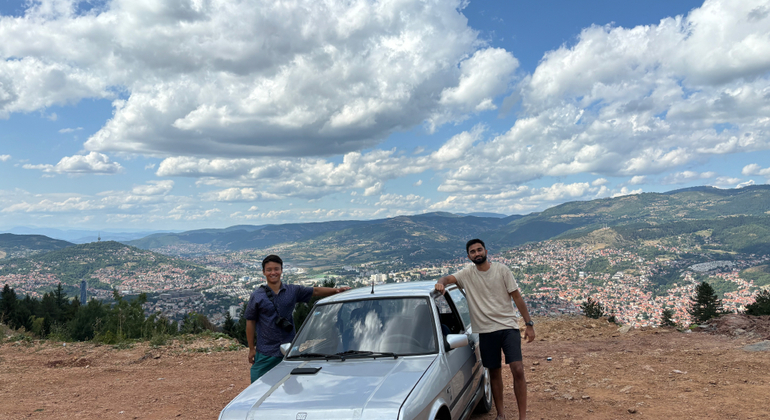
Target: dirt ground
595, 371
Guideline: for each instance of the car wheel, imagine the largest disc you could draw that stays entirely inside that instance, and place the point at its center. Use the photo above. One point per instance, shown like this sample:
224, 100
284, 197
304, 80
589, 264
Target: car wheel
485, 405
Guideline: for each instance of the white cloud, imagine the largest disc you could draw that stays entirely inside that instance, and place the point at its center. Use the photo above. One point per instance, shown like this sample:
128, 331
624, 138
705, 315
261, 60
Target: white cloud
727, 182
5, 158
687, 176
240, 78
754, 169
70, 130
638, 179
52, 206
92, 163
634, 102
403, 202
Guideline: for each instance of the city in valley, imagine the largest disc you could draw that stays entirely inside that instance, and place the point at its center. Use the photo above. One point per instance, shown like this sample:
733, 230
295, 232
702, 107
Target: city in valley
633, 284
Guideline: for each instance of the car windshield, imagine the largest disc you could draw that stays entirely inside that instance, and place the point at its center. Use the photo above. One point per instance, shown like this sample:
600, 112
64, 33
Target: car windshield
401, 326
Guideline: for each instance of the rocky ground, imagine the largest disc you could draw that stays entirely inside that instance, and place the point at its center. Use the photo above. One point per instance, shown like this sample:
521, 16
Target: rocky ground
577, 368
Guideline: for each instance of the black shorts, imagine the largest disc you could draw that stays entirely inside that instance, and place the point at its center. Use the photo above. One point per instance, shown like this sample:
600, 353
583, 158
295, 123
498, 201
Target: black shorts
491, 344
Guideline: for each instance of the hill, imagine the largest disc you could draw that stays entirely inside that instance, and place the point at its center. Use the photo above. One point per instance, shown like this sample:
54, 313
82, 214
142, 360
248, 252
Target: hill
13, 246
735, 220
105, 265
576, 368
713, 219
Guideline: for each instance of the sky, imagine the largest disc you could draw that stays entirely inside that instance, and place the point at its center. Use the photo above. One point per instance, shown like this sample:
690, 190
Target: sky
179, 115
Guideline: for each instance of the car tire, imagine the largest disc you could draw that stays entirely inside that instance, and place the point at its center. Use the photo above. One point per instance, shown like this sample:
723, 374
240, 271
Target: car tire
485, 404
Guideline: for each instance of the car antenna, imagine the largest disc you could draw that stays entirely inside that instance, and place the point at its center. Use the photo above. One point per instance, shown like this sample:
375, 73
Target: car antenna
372, 287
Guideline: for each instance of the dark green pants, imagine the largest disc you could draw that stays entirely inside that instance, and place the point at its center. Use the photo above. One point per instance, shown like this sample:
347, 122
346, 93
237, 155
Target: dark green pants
262, 365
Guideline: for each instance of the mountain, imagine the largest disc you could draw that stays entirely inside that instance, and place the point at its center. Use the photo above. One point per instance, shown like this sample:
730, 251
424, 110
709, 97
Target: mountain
736, 218
25, 245
81, 236
109, 262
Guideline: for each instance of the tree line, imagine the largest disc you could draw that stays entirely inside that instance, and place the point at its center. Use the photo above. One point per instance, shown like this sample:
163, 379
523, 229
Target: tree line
705, 304
58, 317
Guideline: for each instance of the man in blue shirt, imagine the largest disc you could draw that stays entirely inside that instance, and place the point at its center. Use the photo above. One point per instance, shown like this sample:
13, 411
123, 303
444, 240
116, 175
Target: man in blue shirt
269, 315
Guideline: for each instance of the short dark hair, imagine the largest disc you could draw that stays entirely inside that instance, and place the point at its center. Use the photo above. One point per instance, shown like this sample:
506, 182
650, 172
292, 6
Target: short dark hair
272, 258
473, 241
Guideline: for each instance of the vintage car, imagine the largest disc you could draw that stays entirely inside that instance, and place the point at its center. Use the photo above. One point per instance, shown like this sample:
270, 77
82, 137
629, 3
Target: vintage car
397, 351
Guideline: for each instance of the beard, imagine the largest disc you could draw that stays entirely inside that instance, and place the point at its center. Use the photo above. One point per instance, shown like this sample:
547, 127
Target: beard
481, 259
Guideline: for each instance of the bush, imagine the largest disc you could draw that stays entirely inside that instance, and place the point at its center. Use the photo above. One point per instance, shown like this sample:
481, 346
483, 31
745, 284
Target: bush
666, 318
761, 305
592, 308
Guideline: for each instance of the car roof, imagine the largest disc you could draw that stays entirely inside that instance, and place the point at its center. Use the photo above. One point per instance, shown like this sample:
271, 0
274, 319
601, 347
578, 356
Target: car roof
408, 289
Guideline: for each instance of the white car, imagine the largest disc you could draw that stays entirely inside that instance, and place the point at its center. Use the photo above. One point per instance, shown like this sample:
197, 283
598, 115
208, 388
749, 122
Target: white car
402, 351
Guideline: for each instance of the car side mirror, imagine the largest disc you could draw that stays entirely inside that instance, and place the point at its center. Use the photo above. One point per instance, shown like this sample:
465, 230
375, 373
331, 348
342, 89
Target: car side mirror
285, 348
457, 340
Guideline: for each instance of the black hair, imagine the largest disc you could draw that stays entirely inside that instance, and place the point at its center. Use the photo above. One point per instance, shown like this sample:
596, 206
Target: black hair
272, 258
473, 241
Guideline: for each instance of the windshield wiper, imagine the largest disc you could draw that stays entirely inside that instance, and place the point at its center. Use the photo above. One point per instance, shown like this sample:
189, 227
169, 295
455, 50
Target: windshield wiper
315, 356
350, 354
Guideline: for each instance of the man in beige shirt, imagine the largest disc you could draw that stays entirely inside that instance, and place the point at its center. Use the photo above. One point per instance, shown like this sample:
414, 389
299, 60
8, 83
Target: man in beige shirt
489, 288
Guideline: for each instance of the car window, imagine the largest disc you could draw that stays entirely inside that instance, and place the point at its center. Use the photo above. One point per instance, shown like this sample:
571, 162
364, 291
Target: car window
458, 298
400, 325
451, 323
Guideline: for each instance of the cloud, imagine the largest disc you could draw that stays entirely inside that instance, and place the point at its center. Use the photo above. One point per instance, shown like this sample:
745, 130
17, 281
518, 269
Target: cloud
403, 202
225, 78
70, 130
92, 163
754, 169
633, 102
5, 158
638, 179
687, 176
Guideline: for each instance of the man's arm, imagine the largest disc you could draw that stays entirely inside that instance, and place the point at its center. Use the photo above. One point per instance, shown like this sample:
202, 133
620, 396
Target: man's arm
529, 334
442, 282
328, 291
251, 326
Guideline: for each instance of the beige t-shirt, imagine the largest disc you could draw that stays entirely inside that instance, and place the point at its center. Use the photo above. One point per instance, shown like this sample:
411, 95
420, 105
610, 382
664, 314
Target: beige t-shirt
489, 299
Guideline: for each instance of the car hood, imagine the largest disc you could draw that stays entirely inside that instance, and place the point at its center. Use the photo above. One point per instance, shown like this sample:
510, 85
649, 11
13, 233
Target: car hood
350, 389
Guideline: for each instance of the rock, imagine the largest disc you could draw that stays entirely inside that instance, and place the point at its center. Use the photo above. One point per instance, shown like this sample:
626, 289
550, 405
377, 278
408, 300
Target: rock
632, 410
739, 331
679, 372
626, 389
761, 346
586, 397
535, 363
624, 329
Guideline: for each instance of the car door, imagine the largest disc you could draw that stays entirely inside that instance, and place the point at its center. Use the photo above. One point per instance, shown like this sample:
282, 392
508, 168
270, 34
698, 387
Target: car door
462, 361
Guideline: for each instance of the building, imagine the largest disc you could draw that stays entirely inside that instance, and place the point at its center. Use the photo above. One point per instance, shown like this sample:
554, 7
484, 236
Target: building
83, 291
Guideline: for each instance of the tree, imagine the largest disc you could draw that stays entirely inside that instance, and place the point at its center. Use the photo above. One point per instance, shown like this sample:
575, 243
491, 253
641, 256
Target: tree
229, 326
666, 318
705, 304
592, 308
8, 304
761, 305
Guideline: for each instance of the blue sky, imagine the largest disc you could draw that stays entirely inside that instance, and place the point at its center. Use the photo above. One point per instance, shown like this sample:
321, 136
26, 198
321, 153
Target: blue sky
209, 113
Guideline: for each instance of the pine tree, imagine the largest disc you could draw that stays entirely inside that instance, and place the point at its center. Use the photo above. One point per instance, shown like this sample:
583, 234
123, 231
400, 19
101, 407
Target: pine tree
8, 305
666, 318
229, 326
592, 308
761, 305
705, 304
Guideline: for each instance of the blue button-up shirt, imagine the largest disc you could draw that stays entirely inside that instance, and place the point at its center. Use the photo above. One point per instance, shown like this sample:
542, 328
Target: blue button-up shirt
260, 309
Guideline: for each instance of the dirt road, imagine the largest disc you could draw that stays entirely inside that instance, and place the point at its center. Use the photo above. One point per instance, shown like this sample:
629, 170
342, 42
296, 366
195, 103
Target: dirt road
595, 372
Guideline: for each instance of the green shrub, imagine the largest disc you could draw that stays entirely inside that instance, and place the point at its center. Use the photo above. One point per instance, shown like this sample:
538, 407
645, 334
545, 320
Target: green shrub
592, 308
761, 305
